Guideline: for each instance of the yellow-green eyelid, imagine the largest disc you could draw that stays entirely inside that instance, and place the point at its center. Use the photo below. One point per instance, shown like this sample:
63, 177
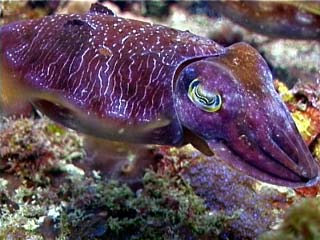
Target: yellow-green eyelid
207, 101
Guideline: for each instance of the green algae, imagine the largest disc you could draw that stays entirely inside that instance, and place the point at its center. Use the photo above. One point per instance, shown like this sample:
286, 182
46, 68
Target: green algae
43, 193
302, 221
160, 210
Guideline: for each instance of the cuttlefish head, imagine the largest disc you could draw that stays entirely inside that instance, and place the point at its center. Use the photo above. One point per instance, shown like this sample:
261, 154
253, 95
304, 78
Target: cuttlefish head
229, 103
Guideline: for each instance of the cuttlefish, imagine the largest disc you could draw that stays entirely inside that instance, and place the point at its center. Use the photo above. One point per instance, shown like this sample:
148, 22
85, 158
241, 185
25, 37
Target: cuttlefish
137, 82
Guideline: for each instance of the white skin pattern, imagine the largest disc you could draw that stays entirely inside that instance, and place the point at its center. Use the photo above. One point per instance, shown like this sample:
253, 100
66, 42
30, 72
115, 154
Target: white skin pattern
111, 67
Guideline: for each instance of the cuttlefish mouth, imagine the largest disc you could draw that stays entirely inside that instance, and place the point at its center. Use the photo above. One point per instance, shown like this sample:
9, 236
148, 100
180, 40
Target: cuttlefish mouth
280, 158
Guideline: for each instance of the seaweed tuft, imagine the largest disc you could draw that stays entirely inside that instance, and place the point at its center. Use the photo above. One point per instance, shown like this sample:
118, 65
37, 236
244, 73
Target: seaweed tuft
301, 222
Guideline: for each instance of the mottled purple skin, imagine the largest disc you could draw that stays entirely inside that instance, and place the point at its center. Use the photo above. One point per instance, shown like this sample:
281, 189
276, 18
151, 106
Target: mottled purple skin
112, 69
127, 80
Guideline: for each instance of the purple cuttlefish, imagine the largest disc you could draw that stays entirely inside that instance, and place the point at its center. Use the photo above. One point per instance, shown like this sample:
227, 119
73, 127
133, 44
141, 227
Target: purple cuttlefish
131, 81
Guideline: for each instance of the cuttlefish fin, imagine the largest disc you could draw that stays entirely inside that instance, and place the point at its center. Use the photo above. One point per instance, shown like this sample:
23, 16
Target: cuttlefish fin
197, 142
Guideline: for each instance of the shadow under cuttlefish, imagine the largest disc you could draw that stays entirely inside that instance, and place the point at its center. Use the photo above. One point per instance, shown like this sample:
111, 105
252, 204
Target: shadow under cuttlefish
125, 162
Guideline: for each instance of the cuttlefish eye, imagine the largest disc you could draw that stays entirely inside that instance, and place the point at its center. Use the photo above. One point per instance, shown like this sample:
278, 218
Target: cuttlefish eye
207, 101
